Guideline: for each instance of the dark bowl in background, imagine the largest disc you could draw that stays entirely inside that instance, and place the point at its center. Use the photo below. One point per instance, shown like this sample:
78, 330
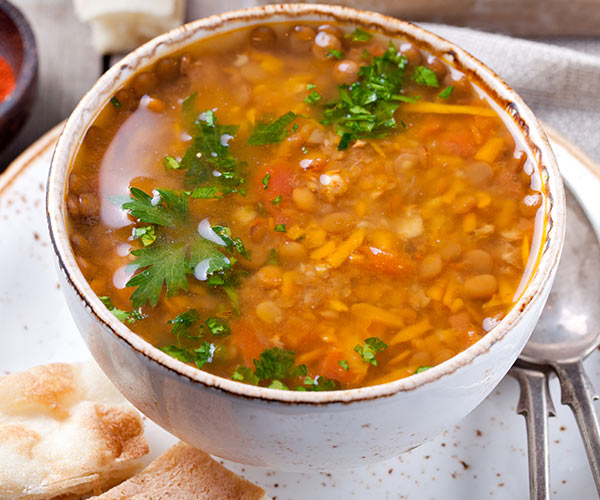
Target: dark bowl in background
18, 48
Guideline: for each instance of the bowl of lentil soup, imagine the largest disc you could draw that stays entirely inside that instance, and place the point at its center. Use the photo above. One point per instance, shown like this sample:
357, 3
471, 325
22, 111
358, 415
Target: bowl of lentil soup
303, 217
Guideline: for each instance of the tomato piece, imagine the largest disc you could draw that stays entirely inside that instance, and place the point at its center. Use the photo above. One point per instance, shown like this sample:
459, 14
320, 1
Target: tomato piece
458, 142
330, 368
280, 182
244, 336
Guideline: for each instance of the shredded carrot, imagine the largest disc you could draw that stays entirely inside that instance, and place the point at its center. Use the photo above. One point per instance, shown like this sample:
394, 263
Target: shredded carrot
411, 332
372, 313
447, 109
490, 150
343, 251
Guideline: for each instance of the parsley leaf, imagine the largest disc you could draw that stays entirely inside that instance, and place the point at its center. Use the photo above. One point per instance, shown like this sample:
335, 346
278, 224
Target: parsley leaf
245, 374
166, 208
313, 97
277, 363
317, 384
218, 327
231, 243
277, 200
423, 75
162, 263
372, 346
273, 259
205, 193
123, 316
310, 86
366, 108
202, 355
447, 92
344, 364
183, 323
265, 180
358, 35
334, 53
146, 234
171, 163
278, 384
271, 132
281, 228
205, 253
115, 102
422, 369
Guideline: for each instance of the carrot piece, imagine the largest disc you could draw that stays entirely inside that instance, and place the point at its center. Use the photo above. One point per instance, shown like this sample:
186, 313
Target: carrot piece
490, 150
246, 339
374, 314
411, 332
447, 109
330, 367
343, 251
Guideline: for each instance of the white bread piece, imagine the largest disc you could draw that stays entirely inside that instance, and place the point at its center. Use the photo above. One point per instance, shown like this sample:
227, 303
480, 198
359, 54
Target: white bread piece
185, 473
122, 25
65, 431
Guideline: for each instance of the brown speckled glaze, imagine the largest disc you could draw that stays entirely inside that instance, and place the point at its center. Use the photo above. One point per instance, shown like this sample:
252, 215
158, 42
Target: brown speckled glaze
242, 422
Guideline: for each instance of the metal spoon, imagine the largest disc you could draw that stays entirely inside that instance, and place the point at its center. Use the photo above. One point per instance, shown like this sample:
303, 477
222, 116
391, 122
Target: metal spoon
566, 334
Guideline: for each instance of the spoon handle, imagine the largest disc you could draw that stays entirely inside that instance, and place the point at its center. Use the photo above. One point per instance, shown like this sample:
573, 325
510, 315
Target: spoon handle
578, 392
535, 405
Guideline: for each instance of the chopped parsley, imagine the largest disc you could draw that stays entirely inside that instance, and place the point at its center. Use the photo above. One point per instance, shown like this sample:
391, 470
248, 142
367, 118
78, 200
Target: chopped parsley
202, 355
271, 132
146, 234
281, 228
171, 163
334, 53
447, 92
265, 180
423, 75
344, 364
231, 243
372, 346
245, 374
358, 35
422, 369
366, 108
166, 208
277, 200
277, 363
295, 127
123, 316
115, 102
278, 384
218, 327
205, 193
273, 259
317, 384
183, 323
311, 86
313, 97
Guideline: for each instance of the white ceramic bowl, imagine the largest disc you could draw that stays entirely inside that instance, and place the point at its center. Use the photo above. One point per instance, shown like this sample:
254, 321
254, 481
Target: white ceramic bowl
287, 429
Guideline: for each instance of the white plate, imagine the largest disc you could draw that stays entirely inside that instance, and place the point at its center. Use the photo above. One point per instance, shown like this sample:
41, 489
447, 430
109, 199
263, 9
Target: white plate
485, 456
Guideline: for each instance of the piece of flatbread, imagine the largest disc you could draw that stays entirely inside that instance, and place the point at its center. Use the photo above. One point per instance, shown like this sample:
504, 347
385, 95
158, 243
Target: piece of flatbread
185, 473
65, 431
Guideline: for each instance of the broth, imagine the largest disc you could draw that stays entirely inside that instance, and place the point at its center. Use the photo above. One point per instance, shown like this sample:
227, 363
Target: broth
305, 207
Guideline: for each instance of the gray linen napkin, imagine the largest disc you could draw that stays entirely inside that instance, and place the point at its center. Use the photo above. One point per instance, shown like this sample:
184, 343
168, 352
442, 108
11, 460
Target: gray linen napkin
561, 85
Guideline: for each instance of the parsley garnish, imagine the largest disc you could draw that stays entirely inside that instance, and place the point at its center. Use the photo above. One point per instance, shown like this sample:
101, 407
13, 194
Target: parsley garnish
273, 259
171, 163
372, 346
166, 208
265, 180
202, 355
358, 35
123, 316
231, 243
277, 363
277, 200
206, 192
218, 327
422, 369
334, 53
278, 384
115, 102
313, 97
271, 132
447, 92
344, 364
295, 127
280, 228
245, 374
311, 86
366, 108
425, 76
183, 323
317, 384
146, 234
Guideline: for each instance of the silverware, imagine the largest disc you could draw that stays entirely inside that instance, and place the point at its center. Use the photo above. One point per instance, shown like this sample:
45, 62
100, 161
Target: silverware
566, 334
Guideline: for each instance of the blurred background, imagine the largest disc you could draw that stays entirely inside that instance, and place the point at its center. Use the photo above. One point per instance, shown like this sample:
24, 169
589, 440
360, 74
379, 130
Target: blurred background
69, 63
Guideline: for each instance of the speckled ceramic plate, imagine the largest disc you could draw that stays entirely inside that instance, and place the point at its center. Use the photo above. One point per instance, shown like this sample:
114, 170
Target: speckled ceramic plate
484, 456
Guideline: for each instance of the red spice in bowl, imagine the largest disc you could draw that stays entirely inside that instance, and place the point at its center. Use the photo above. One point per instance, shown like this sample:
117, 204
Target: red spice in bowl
7, 79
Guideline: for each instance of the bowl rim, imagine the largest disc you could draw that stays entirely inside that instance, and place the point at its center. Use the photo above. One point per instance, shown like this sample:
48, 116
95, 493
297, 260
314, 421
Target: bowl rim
551, 237
28, 71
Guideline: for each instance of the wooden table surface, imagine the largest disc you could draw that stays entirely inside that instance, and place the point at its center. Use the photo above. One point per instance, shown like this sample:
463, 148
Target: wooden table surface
69, 65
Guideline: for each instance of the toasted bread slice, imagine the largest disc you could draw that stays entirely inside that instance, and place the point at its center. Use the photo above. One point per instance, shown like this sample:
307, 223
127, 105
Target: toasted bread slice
185, 473
65, 431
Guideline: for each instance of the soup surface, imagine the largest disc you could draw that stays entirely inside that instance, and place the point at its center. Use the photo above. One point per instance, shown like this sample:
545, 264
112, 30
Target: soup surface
305, 207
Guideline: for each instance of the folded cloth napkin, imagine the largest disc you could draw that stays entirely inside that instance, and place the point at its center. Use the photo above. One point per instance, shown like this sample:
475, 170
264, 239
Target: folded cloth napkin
561, 85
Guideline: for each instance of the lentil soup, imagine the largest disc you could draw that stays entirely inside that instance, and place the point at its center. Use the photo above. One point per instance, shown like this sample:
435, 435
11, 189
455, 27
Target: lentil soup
305, 207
